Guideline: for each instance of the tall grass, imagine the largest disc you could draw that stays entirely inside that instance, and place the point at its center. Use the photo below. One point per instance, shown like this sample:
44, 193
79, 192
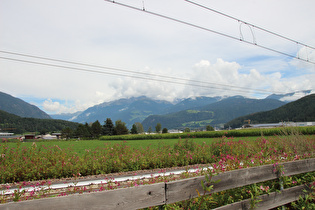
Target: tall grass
43, 162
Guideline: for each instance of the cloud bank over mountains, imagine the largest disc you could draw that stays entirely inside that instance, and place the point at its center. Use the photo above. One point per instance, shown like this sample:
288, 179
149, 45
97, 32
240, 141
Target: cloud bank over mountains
107, 35
221, 78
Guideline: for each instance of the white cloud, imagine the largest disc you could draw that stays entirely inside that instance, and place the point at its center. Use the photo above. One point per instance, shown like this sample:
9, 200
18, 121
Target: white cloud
224, 78
218, 79
308, 54
295, 96
108, 35
51, 106
56, 107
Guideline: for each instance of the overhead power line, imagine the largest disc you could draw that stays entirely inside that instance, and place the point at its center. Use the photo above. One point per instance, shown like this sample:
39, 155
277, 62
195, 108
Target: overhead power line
131, 74
252, 25
120, 70
211, 30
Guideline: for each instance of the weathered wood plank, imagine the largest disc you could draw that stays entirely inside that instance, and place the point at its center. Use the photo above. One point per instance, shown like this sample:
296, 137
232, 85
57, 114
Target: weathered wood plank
164, 193
299, 166
125, 198
186, 189
270, 201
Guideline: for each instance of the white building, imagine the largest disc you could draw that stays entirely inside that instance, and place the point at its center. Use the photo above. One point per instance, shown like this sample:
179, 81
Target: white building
6, 135
281, 124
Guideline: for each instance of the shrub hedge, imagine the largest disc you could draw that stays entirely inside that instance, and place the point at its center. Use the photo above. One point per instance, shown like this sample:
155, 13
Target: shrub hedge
309, 130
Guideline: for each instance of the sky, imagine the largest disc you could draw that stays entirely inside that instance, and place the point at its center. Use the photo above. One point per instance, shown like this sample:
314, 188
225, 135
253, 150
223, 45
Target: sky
106, 51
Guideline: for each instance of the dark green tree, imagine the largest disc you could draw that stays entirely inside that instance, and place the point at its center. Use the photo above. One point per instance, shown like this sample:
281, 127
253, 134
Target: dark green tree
66, 133
108, 127
134, 129
150, 130
209, 128
164, 130
82, 131
42, 132
139, 127
96, 129
89, 132
158, 128
187, 130
120, 128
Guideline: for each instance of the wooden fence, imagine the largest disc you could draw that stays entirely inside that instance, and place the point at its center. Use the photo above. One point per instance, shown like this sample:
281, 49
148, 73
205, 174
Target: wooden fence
171, 192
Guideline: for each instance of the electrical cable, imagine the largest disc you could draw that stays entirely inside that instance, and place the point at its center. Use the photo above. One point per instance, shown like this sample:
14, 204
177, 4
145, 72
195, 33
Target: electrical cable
187, 81
239, 89
128, 71
252, 25
210, 30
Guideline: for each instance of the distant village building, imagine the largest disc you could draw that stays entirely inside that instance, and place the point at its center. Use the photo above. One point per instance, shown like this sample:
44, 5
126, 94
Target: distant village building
6, 135
57, 135
50, 136
175, 131
280, 124
29, 136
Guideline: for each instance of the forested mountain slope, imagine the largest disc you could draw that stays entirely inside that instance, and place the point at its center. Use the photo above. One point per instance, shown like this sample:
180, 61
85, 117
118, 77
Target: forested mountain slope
213, 114
302, 110
15, 124
21, 108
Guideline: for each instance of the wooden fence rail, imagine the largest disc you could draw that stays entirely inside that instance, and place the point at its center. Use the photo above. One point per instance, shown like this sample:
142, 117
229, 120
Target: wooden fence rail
270, 201
171, 192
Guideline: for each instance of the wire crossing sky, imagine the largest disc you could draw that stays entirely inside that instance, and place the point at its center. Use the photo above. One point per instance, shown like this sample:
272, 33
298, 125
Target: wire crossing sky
68, 56
134, 74
224, 34
250, 24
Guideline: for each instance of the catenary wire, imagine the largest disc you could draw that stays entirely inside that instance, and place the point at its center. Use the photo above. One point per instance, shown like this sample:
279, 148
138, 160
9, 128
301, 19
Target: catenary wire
250, 24
173, 19
128, 71
210, 30
240, 89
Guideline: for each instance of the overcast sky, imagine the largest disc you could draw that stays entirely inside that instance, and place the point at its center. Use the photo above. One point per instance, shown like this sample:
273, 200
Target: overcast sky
163, 59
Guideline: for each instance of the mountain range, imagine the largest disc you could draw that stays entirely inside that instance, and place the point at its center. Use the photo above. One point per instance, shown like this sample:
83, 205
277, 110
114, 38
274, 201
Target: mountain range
289, 97
194, 112
20, 108
214, 114
13, 123
191, 112
135, 109
301, 110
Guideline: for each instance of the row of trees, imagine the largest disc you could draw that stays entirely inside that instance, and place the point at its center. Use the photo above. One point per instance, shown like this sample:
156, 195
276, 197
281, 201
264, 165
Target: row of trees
95, 129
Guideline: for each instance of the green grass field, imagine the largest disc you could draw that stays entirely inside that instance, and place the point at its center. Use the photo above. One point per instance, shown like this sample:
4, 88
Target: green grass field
81, 146
45, 160
59, 159
156, 141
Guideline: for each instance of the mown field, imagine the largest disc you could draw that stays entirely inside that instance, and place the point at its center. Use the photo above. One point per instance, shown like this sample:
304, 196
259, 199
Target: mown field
81, 146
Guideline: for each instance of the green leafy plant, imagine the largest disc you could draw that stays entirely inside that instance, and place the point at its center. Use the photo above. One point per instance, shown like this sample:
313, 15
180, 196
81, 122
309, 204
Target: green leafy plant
307, 201
207, 186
